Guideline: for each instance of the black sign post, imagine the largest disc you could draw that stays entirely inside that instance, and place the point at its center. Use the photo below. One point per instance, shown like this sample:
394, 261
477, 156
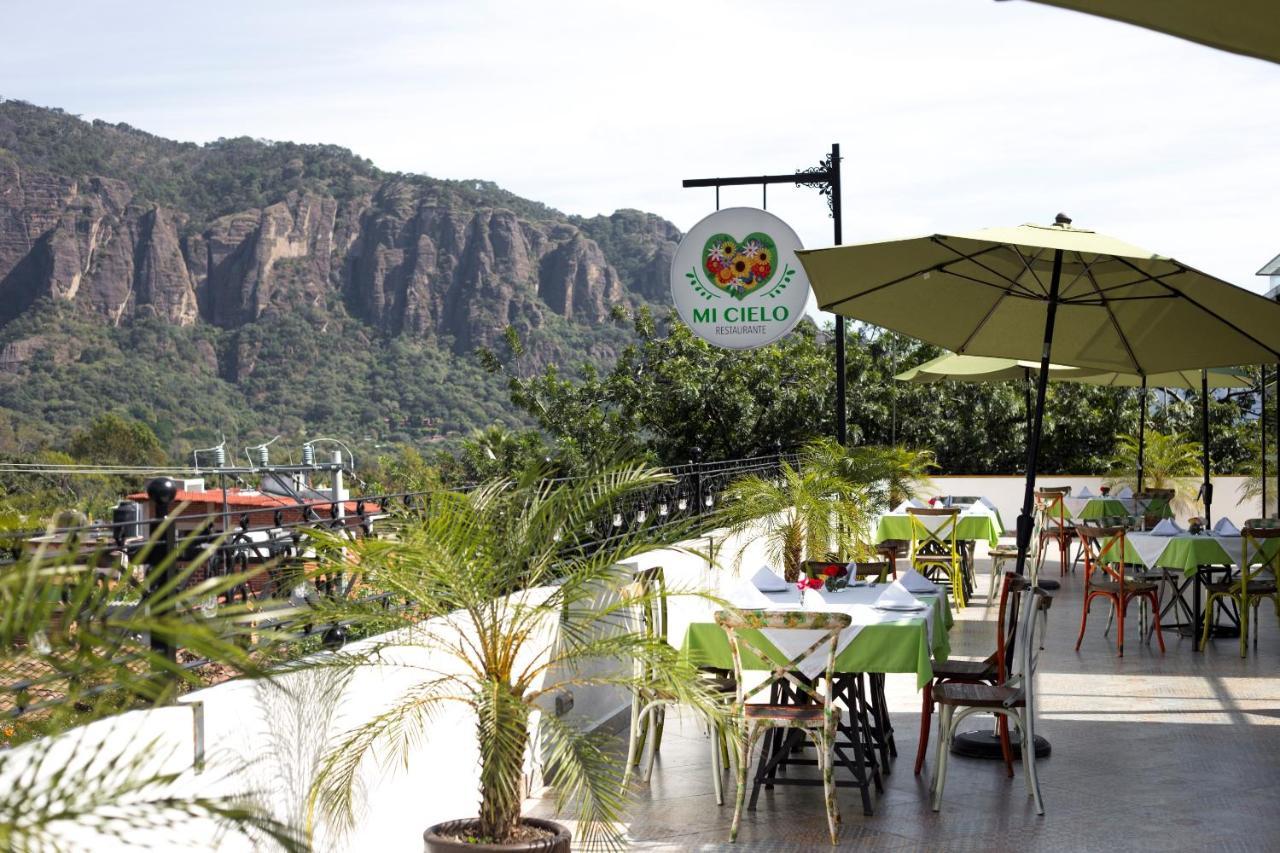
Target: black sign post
825, 178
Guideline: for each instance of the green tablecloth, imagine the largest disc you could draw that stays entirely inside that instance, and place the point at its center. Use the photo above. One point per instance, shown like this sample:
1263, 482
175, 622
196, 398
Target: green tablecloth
899, 646
969, 528
1187, 553
1102, 507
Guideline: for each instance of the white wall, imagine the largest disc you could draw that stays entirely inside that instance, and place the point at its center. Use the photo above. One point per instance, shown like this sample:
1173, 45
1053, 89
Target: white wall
264, 741
1006, 493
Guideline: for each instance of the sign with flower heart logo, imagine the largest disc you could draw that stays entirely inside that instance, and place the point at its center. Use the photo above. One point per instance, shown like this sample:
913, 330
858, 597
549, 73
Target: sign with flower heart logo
735, 279
739, 267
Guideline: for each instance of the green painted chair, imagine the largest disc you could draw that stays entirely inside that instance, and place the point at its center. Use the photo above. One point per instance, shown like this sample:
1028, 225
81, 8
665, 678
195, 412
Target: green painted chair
1255, 581
935, 548
817, 718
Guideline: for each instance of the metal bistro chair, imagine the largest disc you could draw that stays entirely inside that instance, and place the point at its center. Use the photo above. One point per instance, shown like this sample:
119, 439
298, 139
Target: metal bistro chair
648, 705
1013, 698
1107, 576
1247, 588
817, 719
992, 670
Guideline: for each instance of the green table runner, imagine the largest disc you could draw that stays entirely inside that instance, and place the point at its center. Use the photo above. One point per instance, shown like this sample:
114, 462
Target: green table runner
899, 646
1187, 553
968, 528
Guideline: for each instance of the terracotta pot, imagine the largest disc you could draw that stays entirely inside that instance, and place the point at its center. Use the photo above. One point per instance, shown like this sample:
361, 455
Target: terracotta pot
435, 842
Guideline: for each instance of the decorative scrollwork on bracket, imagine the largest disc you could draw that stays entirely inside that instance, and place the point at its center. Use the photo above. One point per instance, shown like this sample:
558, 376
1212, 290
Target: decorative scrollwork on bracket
821, 182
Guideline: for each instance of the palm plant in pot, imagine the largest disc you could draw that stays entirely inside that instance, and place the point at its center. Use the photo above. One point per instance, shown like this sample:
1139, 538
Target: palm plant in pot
517, 598
808, 510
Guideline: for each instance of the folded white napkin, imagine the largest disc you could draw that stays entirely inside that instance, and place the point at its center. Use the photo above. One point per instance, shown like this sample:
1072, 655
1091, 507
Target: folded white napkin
987, 503
1166, 527
767, 580
1224, 527
1123, 493
1084, 493
897, 595
907, 504
913, 581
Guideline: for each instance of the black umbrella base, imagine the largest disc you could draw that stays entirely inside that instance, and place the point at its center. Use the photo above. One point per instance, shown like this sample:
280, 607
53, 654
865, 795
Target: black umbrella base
986, 745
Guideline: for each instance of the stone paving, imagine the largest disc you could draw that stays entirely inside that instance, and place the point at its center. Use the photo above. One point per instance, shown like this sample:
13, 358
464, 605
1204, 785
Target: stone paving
1169, 752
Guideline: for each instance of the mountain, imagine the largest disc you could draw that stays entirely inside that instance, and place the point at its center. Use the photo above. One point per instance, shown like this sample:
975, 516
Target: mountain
253, 287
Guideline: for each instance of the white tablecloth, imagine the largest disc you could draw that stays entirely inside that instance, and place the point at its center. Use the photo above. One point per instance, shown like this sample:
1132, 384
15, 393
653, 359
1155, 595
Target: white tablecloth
856, 601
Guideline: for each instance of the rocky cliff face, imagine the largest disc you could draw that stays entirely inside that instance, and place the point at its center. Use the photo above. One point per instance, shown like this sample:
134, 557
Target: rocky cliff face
408, 257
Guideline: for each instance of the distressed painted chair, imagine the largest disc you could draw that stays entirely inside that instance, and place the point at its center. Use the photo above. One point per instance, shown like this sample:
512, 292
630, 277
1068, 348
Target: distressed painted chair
991, 670
818, 717
649, 705
1000, 555
1255, 581
1106, 576
935, 549
1013, 699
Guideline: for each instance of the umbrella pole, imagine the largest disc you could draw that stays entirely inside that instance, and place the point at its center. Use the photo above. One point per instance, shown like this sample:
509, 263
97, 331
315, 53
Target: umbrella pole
1025, 522
1262, 418
1026, 398
1207, 489
985, 744
1142, 429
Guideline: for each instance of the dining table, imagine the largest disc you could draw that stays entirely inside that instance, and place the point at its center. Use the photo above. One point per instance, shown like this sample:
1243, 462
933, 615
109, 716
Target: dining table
876, 642
976, 522
1090, 507
1188, 561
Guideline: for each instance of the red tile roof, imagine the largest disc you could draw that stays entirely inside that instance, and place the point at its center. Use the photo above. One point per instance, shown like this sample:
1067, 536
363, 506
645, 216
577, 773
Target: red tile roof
236, 499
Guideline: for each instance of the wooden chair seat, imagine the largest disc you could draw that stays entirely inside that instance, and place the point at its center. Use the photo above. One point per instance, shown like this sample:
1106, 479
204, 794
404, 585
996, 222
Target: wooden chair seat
1131, 585
792, 714
1003, 551
965, 670
979, 695
1256, 587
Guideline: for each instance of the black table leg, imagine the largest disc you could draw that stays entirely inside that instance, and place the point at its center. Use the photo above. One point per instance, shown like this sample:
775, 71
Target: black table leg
1198, 619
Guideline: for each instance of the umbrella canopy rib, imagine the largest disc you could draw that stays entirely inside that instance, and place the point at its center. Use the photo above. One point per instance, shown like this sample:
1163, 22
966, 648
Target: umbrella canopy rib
940, 240
1115, 322
1197, 304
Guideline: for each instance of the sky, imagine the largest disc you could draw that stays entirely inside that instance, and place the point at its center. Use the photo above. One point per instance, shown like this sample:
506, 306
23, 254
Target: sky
952, 115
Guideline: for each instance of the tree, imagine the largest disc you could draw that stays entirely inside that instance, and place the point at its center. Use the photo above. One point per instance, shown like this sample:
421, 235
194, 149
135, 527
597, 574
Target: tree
1169, 462
668, 394
461, 559
113, 440
809, 511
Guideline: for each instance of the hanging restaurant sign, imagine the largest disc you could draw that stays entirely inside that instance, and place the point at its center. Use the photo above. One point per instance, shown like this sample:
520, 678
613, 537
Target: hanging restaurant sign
735, 279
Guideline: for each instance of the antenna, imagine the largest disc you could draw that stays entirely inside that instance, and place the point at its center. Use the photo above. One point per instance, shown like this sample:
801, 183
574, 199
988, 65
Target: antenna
264, 455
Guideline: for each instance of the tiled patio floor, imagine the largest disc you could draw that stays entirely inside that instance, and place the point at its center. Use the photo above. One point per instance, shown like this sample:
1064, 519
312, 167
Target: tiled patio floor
1169, 752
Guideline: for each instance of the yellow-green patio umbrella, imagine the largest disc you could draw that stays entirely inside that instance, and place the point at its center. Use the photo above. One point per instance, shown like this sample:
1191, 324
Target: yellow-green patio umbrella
1248, 27
976, 368
1054, 292
1192, 380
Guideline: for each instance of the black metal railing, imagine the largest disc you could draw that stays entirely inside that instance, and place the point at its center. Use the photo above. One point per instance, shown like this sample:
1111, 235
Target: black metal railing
267, 556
